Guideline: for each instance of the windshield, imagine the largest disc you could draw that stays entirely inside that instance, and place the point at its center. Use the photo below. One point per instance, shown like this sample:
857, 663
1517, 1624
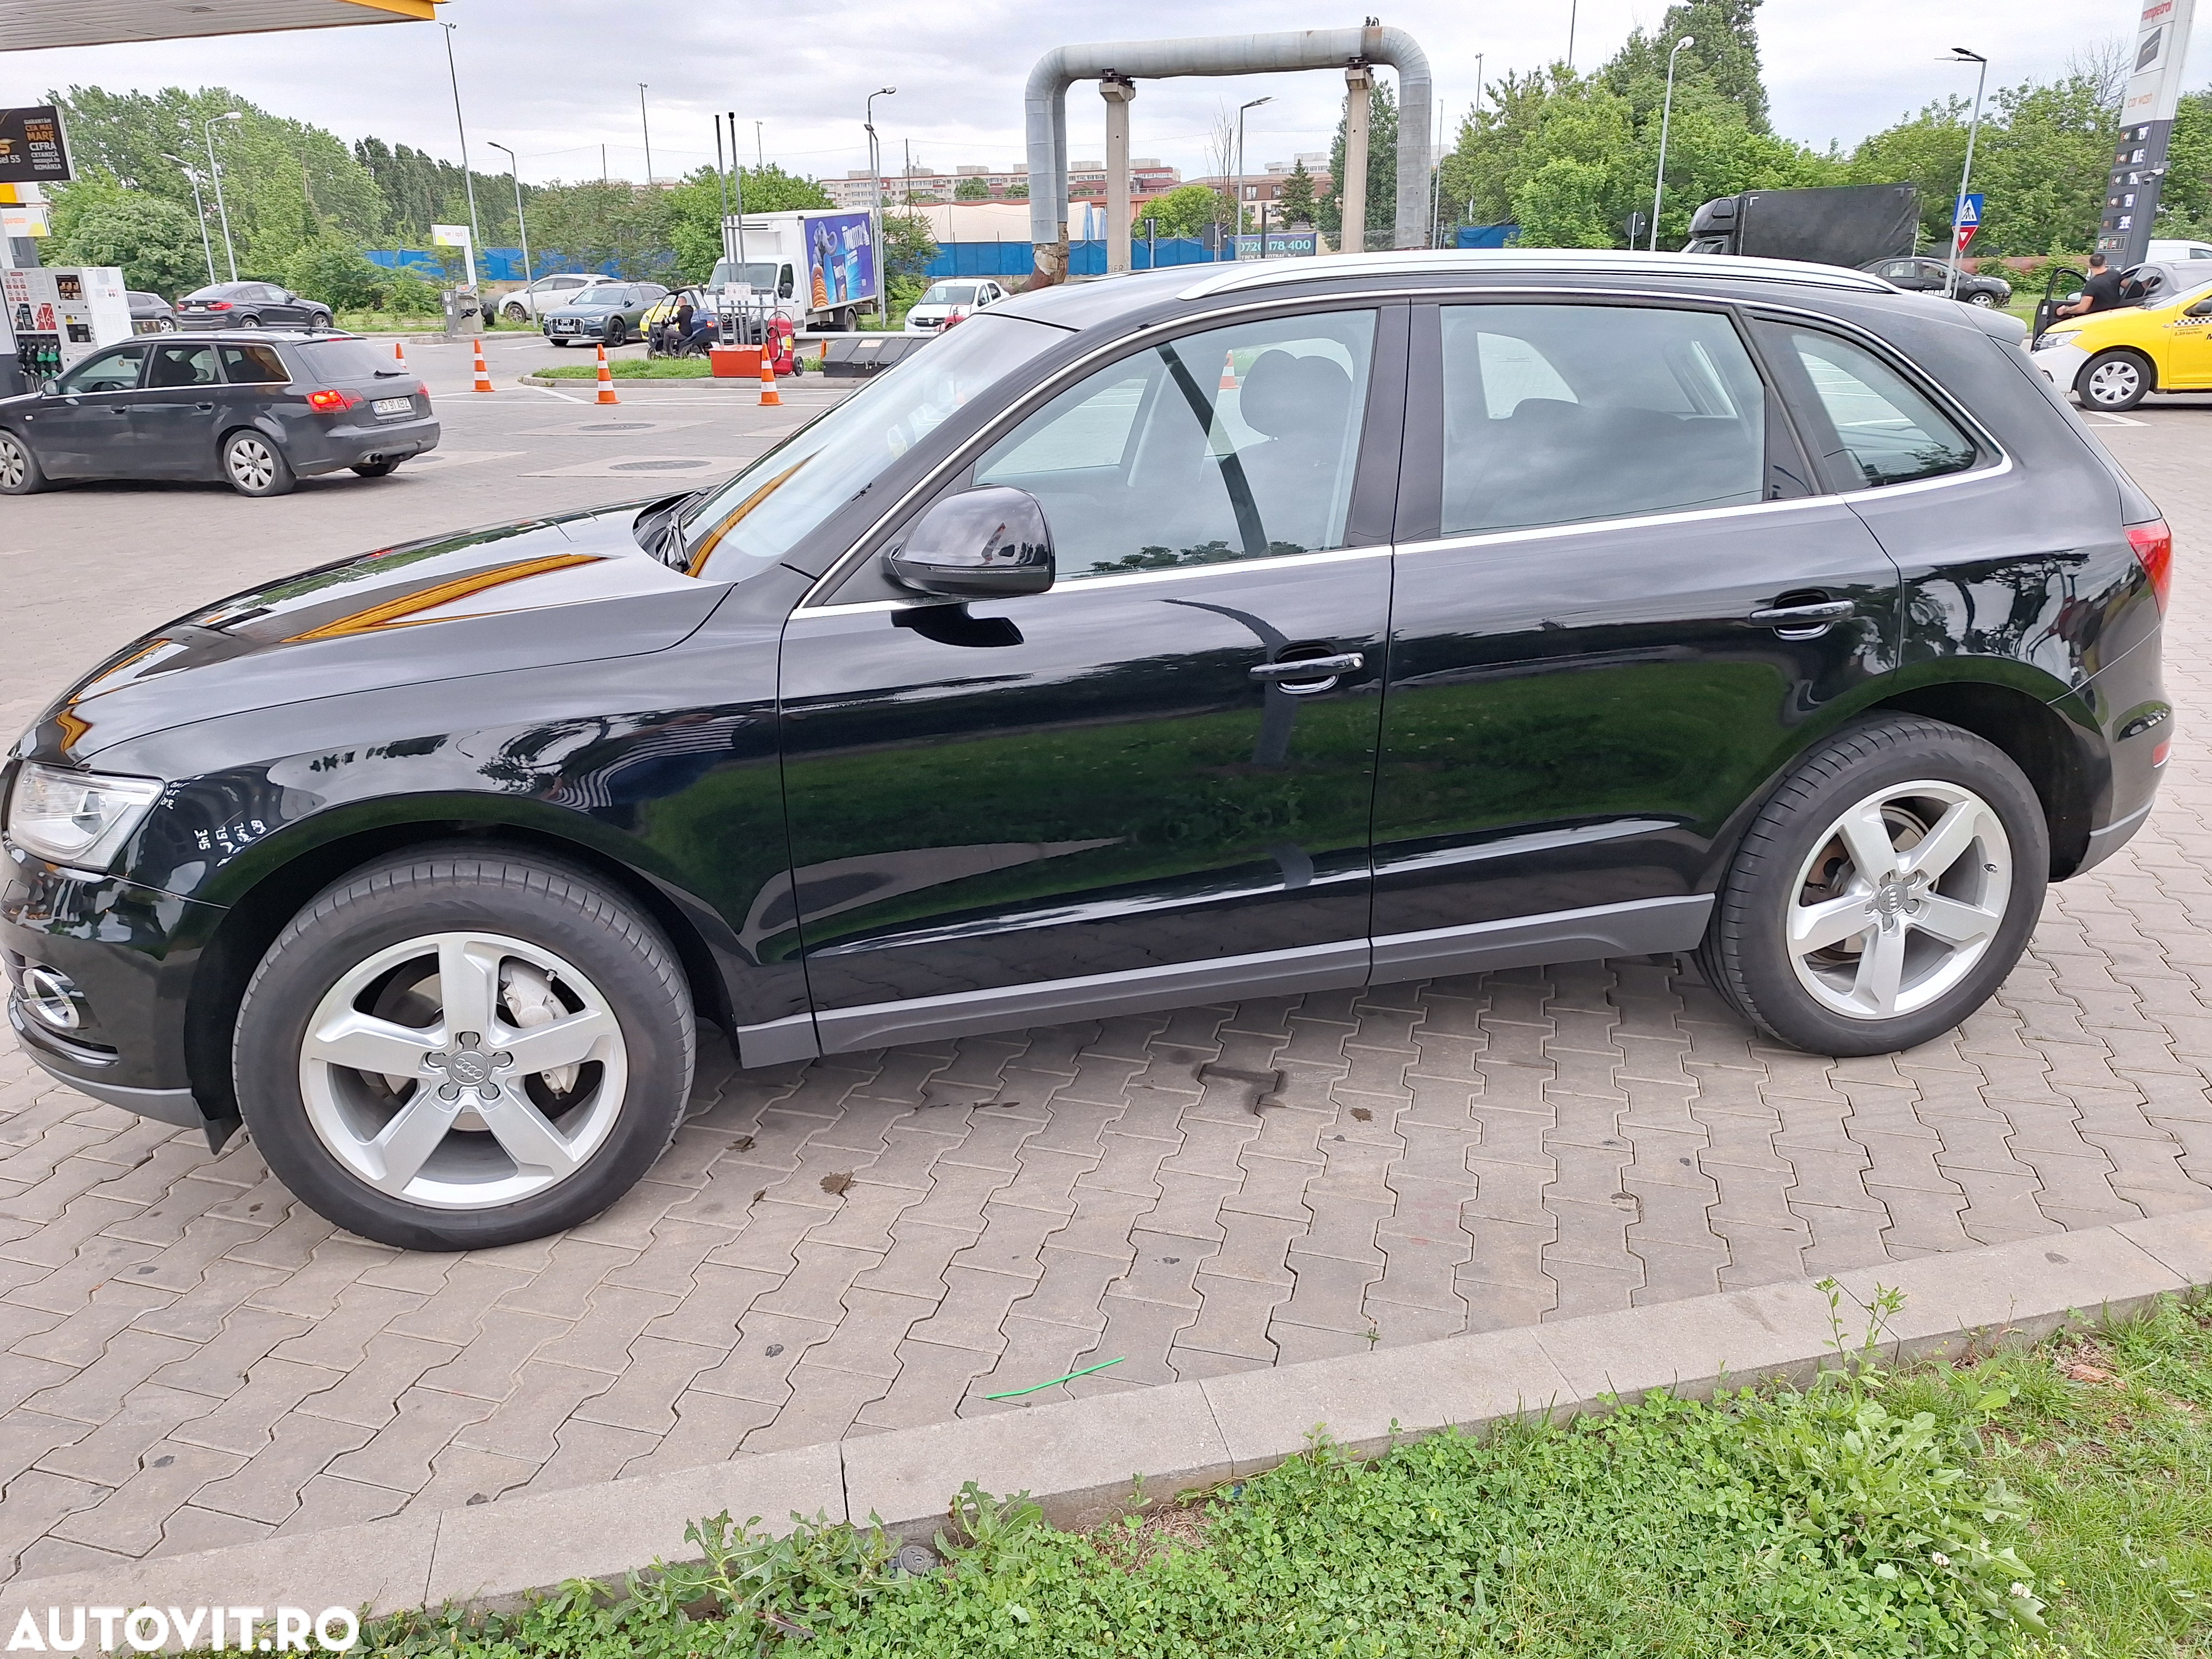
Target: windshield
761, 514
949, 294
754, 273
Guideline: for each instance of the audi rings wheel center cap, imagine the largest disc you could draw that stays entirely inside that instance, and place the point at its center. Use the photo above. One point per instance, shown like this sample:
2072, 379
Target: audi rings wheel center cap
1890, 899
469, 1067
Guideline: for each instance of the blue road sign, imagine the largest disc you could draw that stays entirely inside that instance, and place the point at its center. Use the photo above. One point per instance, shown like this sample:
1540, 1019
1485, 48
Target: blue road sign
1970, 212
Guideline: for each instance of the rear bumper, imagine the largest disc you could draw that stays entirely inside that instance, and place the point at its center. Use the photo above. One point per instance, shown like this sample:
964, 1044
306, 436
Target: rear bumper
2127, 699
353, 444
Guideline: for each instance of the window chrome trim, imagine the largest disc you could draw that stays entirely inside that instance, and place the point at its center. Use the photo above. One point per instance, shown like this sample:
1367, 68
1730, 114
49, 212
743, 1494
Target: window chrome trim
1694, 515
1121, 579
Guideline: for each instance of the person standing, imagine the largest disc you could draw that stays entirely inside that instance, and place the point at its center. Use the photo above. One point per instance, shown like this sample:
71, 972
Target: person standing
2100, 292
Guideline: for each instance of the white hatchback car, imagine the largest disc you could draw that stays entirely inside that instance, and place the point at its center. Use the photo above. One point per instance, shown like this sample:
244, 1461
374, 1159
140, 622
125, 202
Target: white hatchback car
525, 304
947, 303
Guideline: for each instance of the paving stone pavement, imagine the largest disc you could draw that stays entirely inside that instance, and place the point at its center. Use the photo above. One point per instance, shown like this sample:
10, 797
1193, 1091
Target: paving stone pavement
188, 1358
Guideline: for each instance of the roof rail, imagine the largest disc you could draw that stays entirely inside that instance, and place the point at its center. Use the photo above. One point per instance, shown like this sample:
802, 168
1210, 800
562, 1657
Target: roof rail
1472, 261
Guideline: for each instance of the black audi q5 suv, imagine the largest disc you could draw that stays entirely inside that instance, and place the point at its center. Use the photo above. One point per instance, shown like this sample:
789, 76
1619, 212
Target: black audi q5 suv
1193, 635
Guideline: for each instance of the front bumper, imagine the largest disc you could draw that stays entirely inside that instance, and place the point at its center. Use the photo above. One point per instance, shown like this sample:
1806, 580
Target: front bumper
2060, 364
128, 953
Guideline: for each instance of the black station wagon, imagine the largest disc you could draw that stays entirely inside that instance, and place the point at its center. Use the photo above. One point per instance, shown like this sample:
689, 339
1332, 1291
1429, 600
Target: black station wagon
1175, 638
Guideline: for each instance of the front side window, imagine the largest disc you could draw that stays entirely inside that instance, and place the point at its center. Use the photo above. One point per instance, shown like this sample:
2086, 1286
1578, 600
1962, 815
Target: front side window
1885, 431
1236, 443
769, 506
1560, 414
116, 372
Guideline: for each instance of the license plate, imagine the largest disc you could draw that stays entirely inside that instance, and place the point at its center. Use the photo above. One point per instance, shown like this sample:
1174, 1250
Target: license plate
394, 405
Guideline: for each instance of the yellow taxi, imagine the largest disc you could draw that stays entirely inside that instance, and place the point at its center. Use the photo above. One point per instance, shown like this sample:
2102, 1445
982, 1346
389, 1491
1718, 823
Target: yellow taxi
2111, 360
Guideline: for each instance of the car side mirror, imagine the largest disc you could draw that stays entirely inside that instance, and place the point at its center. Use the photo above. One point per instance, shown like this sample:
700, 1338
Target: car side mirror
985, 544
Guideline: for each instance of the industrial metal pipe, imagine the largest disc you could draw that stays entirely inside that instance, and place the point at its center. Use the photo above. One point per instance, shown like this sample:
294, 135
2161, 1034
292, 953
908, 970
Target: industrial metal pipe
1045, 110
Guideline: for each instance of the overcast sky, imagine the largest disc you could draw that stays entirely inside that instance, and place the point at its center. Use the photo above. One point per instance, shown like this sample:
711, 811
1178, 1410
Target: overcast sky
557, 78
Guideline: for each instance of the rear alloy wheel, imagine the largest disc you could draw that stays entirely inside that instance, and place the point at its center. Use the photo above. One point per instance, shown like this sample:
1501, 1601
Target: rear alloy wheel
1884, 891
249, 322
615, 333
2113, 380
514, 314
319, 320
19, 467
453, 1050
255, 465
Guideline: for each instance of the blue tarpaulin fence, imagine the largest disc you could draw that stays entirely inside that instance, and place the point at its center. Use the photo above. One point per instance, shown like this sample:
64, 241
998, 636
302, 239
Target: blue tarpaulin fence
1489, 235
499, 265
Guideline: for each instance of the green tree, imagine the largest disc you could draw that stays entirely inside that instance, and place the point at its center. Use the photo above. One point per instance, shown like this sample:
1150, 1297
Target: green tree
972, 190
155, 243
695, 209
599, 222
419, 191
1018, 191
1187, 210
2184, 203
1724, 59
1382, 169
1296, 204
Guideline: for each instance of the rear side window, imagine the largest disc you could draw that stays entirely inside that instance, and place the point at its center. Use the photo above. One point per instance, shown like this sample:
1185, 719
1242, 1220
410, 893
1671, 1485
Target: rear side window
253, 365
1880, 429
183, 364
343, 359
1560, 414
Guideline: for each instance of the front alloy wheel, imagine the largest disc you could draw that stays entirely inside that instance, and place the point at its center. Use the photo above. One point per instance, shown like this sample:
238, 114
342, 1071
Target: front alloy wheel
1900, 901
19, 468
463, 1071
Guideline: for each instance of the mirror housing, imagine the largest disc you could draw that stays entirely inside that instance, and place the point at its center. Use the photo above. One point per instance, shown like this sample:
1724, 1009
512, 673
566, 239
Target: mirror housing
985, 544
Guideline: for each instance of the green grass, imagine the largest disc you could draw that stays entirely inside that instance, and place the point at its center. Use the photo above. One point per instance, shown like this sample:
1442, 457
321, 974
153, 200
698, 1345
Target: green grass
2045, 1502
630, 369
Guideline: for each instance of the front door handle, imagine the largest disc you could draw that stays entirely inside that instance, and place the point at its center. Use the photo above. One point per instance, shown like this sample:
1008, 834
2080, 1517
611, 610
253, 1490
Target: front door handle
1303, 676
1803, 622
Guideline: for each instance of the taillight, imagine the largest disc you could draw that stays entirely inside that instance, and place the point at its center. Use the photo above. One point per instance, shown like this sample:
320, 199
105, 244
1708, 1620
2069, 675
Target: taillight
218, 305
330, 402
2154, 546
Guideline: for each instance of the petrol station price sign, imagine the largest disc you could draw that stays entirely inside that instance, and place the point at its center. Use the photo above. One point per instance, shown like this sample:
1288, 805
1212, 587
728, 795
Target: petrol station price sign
32, 151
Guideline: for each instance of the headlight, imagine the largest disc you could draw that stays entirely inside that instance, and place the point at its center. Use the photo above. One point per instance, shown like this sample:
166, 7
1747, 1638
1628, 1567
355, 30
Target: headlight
76, 817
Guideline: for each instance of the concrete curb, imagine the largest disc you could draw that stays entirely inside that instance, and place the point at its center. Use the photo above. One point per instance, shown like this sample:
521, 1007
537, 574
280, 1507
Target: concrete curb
1081, 1458
738, 383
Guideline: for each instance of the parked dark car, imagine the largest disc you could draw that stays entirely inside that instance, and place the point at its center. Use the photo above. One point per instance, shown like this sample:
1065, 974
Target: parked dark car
1922, 275
259, 411
150, 313
606, 312
1258, 630
250, 304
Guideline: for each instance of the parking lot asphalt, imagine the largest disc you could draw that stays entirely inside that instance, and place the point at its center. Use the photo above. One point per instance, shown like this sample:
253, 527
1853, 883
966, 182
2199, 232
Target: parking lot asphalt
190, 1358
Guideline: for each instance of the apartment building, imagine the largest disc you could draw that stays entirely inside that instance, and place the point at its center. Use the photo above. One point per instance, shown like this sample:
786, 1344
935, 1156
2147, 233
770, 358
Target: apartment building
1086, 181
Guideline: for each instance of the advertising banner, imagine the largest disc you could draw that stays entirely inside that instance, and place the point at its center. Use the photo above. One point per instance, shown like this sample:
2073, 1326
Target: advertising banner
841, 260
2146, 130
32, 151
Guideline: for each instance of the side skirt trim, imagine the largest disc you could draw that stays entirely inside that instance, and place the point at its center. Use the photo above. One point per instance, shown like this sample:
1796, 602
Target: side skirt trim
1641, 927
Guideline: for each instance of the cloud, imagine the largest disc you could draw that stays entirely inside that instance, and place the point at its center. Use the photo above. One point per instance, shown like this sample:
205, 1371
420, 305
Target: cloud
557, 79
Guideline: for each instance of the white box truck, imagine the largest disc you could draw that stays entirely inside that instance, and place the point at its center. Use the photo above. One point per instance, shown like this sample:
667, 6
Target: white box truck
818, 269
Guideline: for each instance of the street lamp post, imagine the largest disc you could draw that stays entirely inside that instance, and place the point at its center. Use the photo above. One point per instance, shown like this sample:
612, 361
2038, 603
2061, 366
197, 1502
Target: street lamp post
1960, 55
199, 209
645, 126
468, 178
1239, 230
215, 170
1666, 119
760, 146
520, 224
875, 198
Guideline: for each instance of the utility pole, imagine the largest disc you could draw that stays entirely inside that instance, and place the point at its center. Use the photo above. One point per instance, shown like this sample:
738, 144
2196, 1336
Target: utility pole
723, 178
1666, 116
522, 224
1239, 227
215, 168
1573, 6
1352, 189
199, 210
468, 178
760, 146
1960, 55
645, 126
876, 195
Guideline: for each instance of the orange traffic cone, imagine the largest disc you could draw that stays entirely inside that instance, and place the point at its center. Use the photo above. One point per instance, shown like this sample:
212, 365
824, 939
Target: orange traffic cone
483, 374
1228, 372
399, 355
770, 396
607, 380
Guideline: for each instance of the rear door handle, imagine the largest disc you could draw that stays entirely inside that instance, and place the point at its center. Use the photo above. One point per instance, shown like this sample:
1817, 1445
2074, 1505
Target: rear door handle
1303, 676
1803, 621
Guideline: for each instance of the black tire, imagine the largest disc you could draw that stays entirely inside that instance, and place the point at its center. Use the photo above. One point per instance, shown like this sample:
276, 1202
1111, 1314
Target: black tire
557, 341
377, 469
614, 333
165, 325
1983, 298
540, 902
2114, 381
20, 473
1745, 955
249, 322
254, 464
515, 313
321, 320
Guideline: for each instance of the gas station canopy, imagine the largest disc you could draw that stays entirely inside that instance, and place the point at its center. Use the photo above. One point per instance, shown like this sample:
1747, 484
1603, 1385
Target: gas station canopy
27, 25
